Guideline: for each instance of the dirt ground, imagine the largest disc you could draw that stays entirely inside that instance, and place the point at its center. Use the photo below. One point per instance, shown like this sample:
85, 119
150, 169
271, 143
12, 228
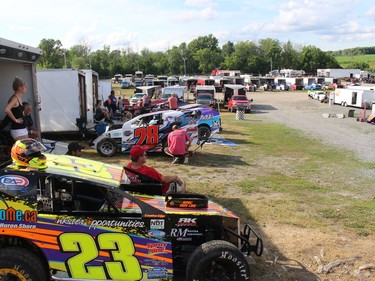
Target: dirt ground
306, 254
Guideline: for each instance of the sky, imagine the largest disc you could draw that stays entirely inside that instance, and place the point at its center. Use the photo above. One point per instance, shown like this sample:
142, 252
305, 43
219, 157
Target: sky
160, 24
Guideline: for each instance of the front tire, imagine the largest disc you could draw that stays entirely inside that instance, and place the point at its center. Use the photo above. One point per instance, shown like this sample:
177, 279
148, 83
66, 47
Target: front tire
204, 133
107, 147
21, 265
217, 260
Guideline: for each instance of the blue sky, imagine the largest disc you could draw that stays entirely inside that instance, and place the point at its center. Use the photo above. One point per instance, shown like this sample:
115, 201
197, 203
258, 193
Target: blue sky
158, 25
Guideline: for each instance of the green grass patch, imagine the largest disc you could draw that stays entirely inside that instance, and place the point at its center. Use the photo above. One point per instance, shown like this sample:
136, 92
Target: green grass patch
279, 175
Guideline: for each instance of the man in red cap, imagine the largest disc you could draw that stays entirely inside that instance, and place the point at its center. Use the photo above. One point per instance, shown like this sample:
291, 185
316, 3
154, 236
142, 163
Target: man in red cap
138, 159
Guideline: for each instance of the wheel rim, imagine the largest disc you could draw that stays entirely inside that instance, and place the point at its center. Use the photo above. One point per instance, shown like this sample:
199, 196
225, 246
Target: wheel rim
9, 274
220, 271
107, 148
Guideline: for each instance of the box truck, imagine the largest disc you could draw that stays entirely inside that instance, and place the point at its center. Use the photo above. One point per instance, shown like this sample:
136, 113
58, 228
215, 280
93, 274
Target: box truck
64, 100
17, 59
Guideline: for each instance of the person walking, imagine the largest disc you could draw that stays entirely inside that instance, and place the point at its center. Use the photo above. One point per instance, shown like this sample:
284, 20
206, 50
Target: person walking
178, 144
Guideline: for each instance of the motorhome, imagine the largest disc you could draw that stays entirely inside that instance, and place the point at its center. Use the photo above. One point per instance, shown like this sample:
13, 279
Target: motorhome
64, 100
17, 59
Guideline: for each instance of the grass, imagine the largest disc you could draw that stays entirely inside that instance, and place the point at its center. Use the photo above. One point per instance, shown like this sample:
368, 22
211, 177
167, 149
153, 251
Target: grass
345, 61
277, 175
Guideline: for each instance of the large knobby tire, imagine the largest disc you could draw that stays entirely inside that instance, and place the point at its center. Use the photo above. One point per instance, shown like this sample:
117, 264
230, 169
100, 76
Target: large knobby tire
107, 147
19, 264
204, 133
217, 260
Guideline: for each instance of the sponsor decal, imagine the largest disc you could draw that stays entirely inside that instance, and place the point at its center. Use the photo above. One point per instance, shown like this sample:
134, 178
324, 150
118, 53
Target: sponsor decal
156, 273
14, 182
156, 248
113, 223
186, 222
11, 214
156, 233
71, 221
153, 262
241, 266
182, 233
206, 117
93, 224
157, 224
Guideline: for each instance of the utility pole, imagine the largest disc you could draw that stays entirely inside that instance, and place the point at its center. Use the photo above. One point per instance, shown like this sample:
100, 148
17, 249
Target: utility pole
184, 59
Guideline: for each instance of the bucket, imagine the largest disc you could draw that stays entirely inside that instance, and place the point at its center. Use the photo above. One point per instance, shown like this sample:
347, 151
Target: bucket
351, 113
101, 128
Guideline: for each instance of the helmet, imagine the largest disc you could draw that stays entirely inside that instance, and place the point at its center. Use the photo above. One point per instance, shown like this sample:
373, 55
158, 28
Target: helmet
27, 153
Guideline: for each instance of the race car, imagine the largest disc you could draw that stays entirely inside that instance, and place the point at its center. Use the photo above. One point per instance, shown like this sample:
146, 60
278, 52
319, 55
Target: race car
79, 219
152, 129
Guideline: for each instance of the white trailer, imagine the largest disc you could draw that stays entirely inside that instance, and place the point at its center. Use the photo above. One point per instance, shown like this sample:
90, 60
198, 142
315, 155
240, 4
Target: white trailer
63, 100
355, 97
92, 93
17, 59
105, 88
338, 72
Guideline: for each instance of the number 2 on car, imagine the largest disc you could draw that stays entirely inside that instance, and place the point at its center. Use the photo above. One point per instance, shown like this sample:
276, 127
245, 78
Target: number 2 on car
122, 266
149, 134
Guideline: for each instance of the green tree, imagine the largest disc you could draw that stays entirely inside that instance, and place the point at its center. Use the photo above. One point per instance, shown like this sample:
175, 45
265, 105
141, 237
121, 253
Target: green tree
52, 54
208, 60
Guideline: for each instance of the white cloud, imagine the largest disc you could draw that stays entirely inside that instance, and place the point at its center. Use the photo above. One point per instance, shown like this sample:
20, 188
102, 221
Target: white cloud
199, 3
205, 14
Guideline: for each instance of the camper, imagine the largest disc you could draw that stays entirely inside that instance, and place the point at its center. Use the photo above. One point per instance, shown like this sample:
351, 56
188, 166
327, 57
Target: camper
17, 59
355, 97
64, 100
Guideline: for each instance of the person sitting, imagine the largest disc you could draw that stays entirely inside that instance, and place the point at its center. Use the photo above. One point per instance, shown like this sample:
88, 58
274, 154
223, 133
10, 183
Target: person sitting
33, 133
178, 144
101, 113
74, 149
138, 156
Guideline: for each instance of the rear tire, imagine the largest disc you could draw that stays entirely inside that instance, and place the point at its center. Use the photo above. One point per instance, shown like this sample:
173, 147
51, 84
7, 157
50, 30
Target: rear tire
107, 147
217, 260
21, 264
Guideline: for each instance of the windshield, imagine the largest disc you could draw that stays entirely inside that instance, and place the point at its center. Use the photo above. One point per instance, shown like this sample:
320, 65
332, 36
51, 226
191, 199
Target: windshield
204, 97
240, 98
138, 96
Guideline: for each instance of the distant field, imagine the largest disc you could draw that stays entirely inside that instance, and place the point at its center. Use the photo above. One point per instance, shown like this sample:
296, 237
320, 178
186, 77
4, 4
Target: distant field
344, 61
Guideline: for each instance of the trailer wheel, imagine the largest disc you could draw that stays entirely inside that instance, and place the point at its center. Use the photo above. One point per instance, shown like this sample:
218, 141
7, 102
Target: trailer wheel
21, 264
107, 147
217, 260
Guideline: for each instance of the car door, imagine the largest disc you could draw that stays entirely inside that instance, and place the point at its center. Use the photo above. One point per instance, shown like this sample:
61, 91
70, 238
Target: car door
90, 232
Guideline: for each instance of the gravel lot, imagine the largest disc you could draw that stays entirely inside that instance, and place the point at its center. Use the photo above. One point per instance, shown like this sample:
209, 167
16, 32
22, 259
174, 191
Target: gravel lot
296, 110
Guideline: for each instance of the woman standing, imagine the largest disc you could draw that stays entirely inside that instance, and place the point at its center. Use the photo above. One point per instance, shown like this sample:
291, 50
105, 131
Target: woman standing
14, 110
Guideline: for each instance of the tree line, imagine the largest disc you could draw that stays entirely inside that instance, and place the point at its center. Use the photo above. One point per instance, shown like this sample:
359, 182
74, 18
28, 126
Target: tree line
198, 57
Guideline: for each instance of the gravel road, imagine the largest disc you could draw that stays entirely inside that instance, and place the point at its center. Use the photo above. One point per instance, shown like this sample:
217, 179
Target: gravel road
296, 110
